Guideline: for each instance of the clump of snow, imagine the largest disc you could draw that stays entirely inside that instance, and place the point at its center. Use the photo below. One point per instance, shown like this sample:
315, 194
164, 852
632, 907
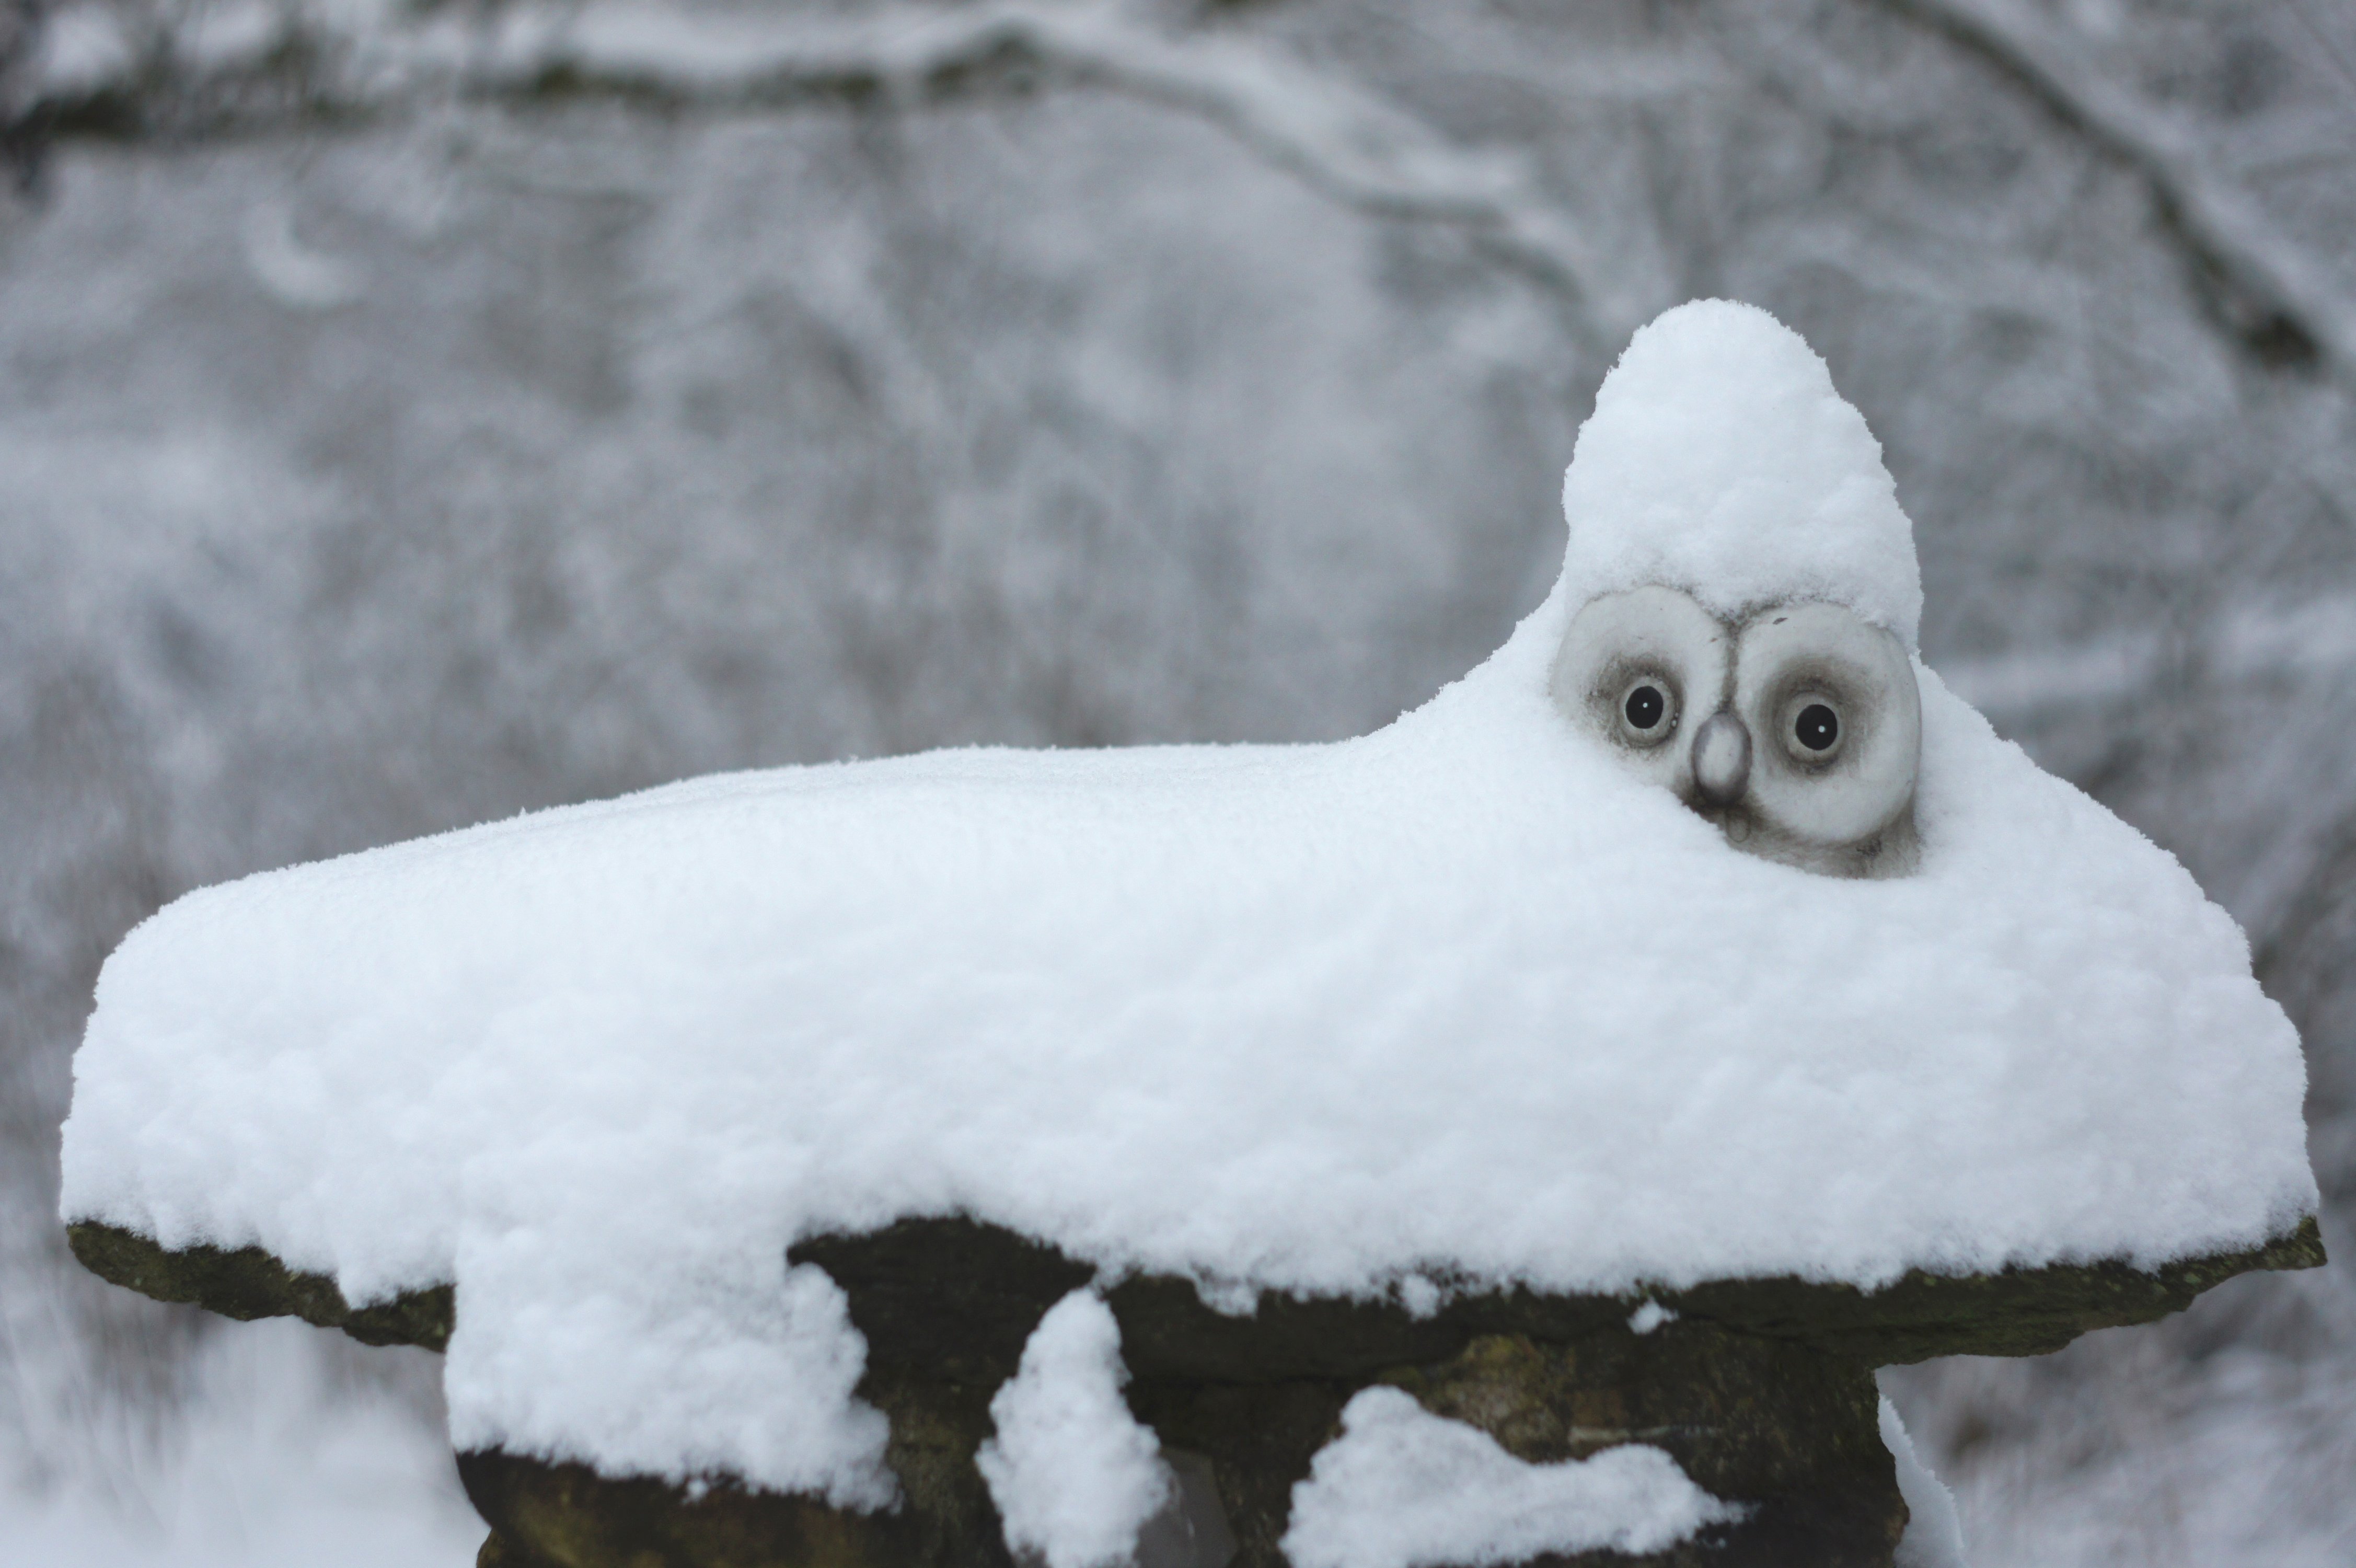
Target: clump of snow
1649, 1317
1402, 1488
1719, 460
1934, 1536
708, 1356
1073, 1474
1459, 999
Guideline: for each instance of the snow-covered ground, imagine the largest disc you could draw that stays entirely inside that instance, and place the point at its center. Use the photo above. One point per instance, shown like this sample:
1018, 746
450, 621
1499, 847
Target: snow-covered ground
497, 454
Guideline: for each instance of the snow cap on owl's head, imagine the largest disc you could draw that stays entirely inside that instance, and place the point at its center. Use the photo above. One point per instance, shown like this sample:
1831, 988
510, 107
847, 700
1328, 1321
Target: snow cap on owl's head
1719, 460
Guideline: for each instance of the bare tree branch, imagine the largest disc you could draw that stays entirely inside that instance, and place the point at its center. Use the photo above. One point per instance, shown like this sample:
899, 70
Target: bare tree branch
20, 39
2288, 299
1341, 140
1337, 137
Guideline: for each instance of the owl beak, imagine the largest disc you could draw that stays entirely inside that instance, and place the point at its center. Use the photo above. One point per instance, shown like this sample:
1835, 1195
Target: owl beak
1721, 759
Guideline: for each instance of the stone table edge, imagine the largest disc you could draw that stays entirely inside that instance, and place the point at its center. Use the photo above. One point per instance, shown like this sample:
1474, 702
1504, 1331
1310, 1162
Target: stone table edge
1919, 1315
246, 1283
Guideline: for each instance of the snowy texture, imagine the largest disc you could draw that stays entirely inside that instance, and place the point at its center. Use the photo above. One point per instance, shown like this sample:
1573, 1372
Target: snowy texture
1073, 1474
1402, 1488
702, 1354
1458, 996
1719, 460
1934, 1537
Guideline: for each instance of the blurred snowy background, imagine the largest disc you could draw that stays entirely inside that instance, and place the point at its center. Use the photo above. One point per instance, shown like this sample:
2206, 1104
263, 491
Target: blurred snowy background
413, 412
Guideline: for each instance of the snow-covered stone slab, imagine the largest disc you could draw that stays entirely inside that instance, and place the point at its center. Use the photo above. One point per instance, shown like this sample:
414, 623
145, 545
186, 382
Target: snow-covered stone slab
1698, 937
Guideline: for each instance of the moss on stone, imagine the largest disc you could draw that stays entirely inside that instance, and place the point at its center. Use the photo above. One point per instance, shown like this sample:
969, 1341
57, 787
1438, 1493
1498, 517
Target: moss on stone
2020, 1311
246, 1283
547, 1514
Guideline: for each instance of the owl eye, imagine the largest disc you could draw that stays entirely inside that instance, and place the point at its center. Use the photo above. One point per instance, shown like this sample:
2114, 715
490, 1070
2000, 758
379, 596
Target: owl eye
1648, 711
1628, 664
1812, 728
1830, 700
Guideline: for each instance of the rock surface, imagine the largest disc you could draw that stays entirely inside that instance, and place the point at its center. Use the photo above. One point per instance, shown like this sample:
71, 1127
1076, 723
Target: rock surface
1762, 1390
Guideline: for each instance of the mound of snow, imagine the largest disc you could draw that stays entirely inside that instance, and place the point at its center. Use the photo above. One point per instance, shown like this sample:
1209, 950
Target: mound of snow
1402, 1488
1457, 997
1719, 460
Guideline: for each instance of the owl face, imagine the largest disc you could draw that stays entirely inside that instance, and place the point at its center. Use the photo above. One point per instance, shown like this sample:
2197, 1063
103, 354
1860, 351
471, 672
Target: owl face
1798, 729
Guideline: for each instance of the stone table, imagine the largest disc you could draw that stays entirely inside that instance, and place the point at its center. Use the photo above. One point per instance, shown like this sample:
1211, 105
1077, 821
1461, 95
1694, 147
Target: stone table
1761, 1389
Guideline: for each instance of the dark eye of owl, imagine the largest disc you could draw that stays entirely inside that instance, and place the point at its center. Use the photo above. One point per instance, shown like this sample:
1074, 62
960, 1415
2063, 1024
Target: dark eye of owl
1813, 727
1648, 710
1817, 727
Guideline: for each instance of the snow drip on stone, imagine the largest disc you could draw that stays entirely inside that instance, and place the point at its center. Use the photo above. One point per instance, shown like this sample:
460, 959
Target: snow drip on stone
1402, 1488
1719, 460
1935, 1535
1073, 1474
1461, 999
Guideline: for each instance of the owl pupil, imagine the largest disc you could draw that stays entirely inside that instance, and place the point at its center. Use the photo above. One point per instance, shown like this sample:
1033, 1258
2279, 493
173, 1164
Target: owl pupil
1817, 727
1645, 706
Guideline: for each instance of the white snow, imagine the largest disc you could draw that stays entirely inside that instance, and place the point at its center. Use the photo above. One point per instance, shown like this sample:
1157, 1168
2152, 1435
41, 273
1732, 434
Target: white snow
1934, 1536
1402, 1488
1649, 1317
704, 1355
1719, 460
1073, 1474
1459, 999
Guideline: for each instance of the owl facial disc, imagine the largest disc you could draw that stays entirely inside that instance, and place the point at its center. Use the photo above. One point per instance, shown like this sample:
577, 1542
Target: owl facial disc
1798, 728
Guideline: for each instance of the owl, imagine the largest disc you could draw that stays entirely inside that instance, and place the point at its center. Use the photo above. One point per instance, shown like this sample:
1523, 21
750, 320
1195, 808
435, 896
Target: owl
1797, 728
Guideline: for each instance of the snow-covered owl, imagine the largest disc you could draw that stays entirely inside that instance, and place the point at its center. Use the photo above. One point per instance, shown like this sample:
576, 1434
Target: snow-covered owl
1748, 594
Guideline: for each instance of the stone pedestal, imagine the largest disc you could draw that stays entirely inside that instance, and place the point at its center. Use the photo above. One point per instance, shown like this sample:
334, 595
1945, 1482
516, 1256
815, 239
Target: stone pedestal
1762, 1390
